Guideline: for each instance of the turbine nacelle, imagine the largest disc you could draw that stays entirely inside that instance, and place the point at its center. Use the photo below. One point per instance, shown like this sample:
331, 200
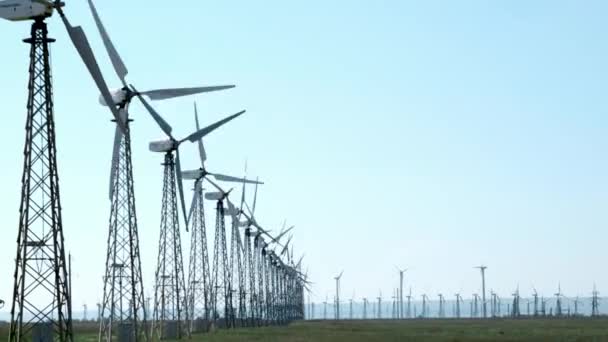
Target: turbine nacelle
19, 10
118, 96
231, 211
162, 146
214, 196
194, 174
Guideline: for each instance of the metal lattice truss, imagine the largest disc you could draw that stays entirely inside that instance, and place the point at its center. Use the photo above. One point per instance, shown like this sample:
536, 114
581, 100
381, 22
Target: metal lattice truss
221, 287
123, 296
199, 294
41, 297
170, 309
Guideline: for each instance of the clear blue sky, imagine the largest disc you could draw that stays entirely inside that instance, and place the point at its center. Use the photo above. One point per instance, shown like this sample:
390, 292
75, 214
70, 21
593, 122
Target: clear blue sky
435, 135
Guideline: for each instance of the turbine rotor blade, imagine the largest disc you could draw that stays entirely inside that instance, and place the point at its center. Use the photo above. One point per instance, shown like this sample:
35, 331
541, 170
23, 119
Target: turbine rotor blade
163, 94
255, 198
195, 197
115, 156
215, 185
81, 43
159, 119
284, 232
213, 196
201, 133
180, 186
225, 178
119, 66
201, 147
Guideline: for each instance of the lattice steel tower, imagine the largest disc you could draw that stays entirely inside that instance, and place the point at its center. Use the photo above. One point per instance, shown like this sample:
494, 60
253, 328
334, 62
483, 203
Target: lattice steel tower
41, 305
250, 276
199, 296
123, 292
222, 296
170, 309
237, 281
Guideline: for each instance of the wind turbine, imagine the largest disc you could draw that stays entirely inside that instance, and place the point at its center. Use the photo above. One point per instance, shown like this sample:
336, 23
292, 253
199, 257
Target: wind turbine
458, 301
40, 263
475, 313
337, 279
535, 295
351, 305
401, 272
483, 288
595, 302
515, 307
424, 305
199, 292
409, 304
170, 291
123, 221
492, 303
379, 305
325, 308
576, 303
558, 301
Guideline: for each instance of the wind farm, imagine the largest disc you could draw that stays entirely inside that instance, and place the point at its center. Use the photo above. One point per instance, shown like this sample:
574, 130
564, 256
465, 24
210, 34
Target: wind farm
303, 171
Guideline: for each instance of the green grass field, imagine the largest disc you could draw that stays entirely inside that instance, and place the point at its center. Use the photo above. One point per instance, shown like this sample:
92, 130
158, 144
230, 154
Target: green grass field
411, 330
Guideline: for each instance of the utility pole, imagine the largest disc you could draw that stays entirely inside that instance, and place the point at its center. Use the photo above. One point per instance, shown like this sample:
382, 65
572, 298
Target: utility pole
364, 308
483, 288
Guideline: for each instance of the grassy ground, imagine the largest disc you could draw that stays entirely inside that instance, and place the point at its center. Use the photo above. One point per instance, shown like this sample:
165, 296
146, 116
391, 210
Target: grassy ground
424, 330
414, 330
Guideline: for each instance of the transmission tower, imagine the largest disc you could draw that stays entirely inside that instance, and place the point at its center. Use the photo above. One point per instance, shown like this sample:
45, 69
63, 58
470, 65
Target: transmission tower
199, 296
41, 305
123, 293
170, 309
